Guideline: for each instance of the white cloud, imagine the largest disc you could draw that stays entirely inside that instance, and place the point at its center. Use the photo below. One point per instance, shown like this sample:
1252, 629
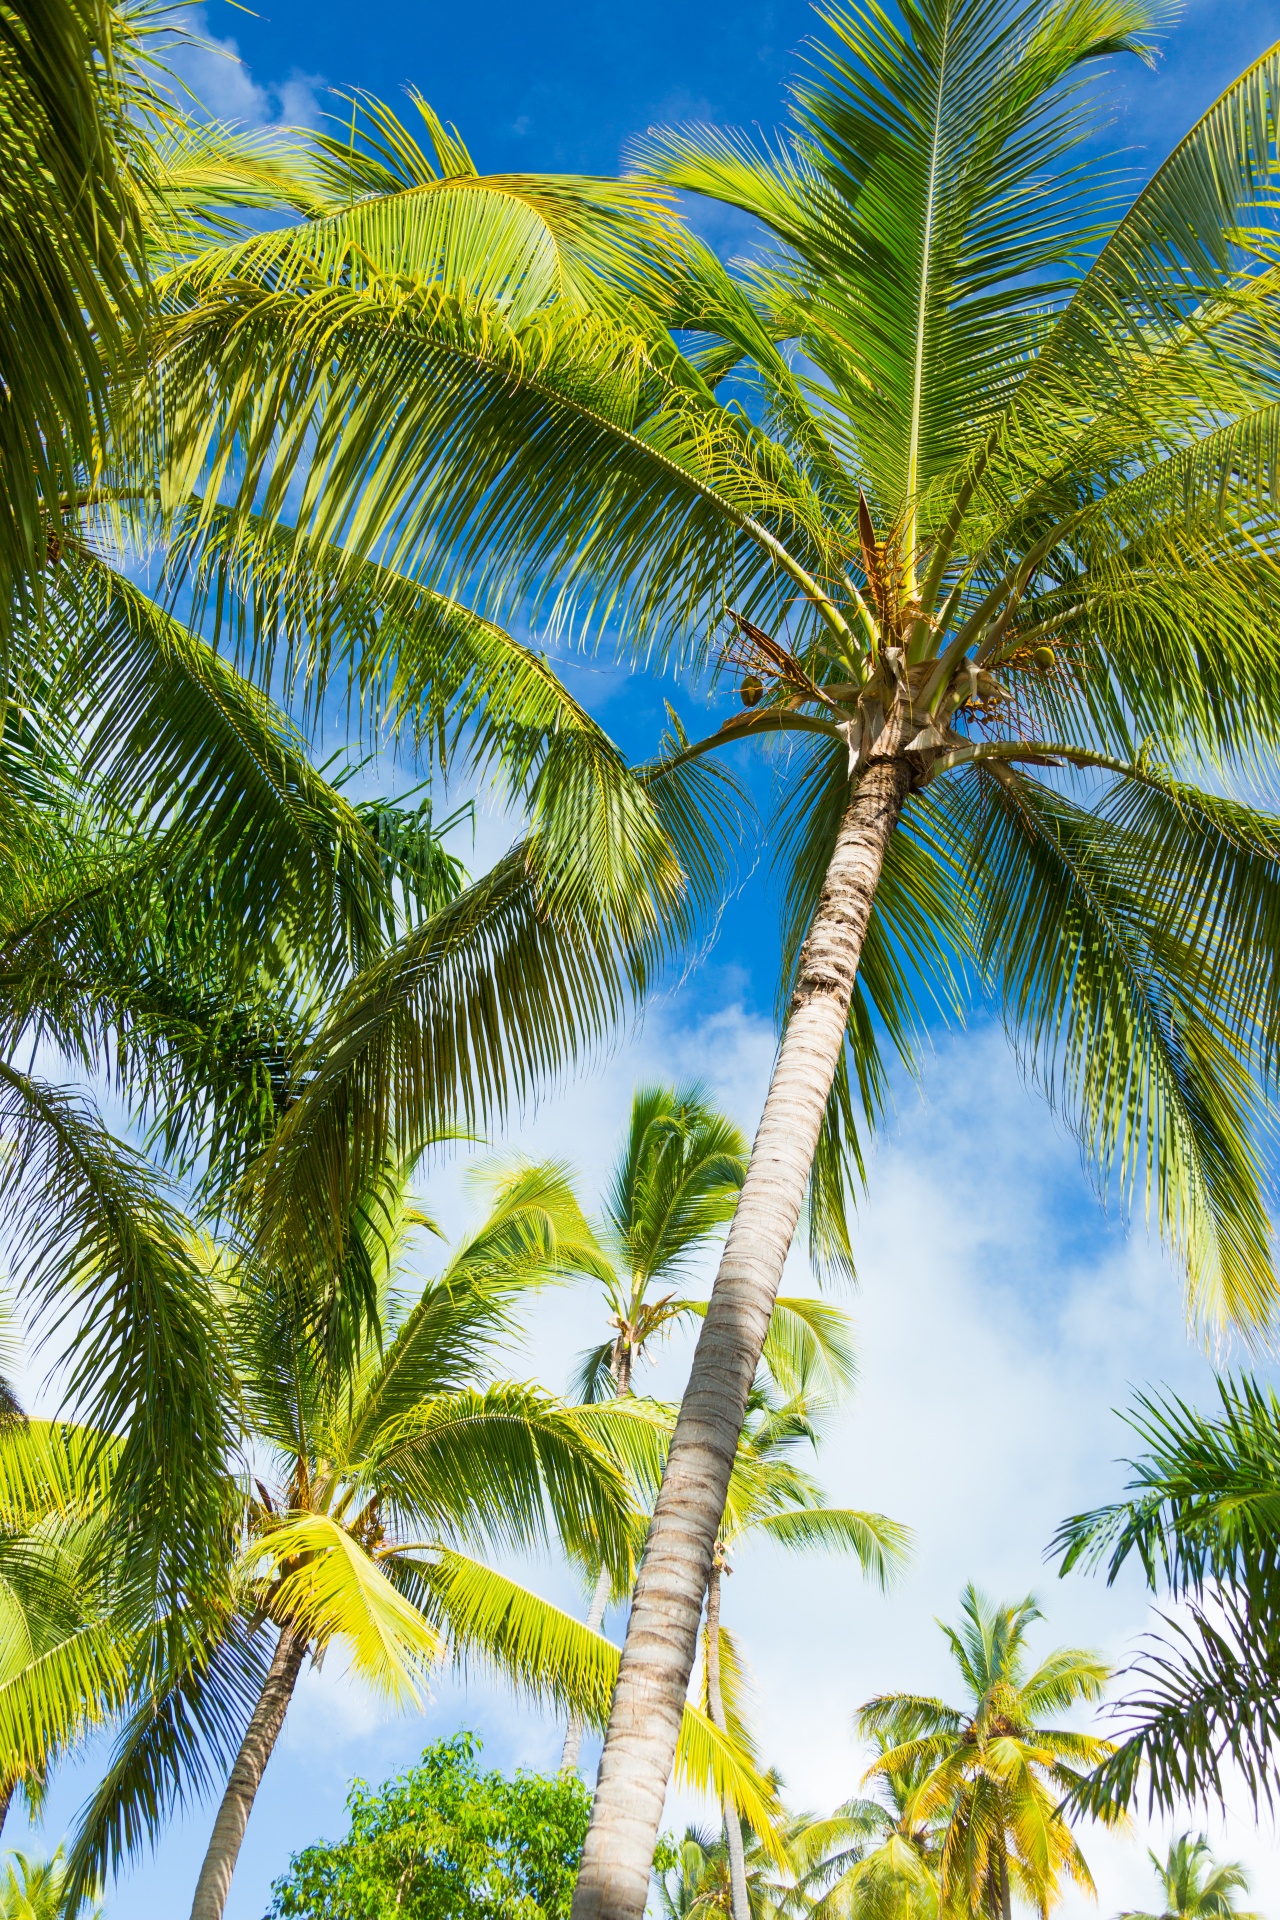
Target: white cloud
214, 72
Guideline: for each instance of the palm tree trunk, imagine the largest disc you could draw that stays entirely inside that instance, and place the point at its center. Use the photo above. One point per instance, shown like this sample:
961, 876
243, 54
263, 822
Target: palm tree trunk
715, 1707
260, 1737
662, 1637
1006, 1904
620, 1368
595, 1620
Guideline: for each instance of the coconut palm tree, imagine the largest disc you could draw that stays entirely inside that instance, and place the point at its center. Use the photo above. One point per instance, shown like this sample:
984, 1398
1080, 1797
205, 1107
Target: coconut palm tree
1200, 1515
875, 1857
992, 1769
673, 1188
1196, 1886
966, 483
380, 1454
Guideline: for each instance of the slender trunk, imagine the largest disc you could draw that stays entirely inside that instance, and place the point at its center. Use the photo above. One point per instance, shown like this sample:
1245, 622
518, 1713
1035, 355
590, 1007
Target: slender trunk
715, 1707
662, 1637
620, 1368
1006, 1904
595, 1620
260, 1737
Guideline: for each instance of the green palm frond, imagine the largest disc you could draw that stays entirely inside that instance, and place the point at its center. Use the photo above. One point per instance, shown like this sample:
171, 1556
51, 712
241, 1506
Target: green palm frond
71, 239
878, 1544
145, 1359
506, 1463
527, 970
174, 1747
329, 1589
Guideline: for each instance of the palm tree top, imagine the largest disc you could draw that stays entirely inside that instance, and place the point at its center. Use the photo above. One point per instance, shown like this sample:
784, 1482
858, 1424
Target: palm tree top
1195, 1885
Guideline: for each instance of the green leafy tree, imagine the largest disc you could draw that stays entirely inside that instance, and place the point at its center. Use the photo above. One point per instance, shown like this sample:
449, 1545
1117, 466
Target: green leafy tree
1200, 1514
992, 1769
968, 485
1195, 1885
446, 1841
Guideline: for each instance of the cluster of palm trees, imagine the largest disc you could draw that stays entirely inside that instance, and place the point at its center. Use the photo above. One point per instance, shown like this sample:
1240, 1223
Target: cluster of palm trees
963, 493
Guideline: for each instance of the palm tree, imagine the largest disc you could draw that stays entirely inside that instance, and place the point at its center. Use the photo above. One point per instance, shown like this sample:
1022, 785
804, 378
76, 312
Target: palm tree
771, 1496
381, 1452
1195, 1886
673, 1188
991, 1768
876, 1857
968, 486
37, 1890
1200, 1514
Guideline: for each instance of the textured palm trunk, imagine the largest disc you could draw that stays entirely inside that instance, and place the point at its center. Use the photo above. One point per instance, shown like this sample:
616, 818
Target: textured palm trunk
662, 1636
260, 1737
595, 1620
620, 1368
715, 1706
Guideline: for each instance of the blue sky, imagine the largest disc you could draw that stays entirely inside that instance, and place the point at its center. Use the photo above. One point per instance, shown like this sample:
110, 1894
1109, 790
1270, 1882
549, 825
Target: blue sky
1001, 1314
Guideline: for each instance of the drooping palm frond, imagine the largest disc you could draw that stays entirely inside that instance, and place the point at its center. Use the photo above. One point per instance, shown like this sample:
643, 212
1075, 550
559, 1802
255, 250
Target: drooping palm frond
71, 242
523, 973
492, 1619
144, 1358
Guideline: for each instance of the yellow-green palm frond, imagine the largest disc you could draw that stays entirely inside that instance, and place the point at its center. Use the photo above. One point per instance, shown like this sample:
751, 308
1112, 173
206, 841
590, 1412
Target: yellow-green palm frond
326, 1587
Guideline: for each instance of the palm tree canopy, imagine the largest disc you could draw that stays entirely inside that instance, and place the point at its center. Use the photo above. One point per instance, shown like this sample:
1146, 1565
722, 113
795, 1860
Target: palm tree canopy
961, 450
1195, 1885
992, 1769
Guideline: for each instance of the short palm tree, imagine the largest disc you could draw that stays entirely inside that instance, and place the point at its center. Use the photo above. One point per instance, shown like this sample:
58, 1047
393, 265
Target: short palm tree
1201, 1513
1195, 1885
992, 1769
876, 1857
968, 484
378, 1454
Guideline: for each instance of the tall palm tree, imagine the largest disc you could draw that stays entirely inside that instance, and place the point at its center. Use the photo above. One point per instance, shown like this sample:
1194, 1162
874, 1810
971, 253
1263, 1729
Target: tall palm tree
992, 1769
1195, 1885
969, 486
1200, 1513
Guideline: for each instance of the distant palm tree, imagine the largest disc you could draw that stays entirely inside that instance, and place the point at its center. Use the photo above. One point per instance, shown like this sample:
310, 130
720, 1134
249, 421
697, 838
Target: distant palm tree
1195, 1885
35, 1889
992, 1768
673, 1189
874, 1858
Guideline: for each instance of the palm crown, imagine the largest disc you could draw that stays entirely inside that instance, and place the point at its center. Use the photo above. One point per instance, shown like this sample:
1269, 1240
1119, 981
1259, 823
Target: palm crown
1195, 1885
992, 1769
